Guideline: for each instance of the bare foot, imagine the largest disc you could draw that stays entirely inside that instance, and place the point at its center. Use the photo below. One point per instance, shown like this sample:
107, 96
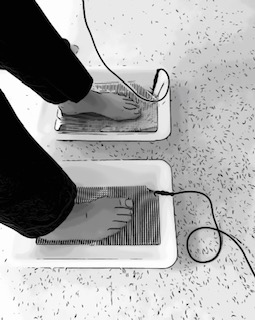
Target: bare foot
94, 221
110, 105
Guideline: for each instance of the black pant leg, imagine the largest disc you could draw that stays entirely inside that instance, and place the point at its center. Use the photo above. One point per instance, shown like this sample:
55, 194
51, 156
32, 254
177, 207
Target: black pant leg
37, 83
36, 195
32, 48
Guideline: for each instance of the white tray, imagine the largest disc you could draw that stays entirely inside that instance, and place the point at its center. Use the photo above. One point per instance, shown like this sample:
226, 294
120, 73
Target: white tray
155, 174
142, 77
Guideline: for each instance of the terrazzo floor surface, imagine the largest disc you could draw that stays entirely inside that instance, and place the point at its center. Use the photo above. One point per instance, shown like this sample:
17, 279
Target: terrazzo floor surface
208, 49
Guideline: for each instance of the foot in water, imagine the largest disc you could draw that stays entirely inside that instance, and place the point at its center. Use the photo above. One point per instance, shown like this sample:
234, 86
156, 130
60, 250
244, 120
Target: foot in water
96, 220
110, 105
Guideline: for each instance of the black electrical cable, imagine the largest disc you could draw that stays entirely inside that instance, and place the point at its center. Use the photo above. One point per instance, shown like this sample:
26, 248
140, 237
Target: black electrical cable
130, 88
165, 193
220, 232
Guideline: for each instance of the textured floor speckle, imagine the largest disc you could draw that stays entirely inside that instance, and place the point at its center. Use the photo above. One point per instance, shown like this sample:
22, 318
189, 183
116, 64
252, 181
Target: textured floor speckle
208, 49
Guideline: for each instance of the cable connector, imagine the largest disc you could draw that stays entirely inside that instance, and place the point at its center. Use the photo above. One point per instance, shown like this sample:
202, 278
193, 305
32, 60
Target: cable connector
163, 193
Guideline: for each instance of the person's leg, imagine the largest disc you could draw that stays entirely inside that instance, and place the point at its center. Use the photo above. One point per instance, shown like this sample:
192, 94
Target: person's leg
37, 83
36, 54
36, 195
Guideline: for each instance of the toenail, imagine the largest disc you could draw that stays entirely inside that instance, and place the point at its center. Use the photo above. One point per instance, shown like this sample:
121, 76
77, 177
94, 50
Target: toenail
129, 203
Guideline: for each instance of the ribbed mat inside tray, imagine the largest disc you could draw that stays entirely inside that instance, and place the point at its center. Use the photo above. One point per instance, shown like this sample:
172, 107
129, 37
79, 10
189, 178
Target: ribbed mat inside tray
143, 229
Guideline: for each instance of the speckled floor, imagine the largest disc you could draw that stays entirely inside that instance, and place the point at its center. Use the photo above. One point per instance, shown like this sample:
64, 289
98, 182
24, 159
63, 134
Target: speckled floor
208, 49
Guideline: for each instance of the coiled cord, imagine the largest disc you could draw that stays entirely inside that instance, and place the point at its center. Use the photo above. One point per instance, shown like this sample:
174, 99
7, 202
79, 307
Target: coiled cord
220, 232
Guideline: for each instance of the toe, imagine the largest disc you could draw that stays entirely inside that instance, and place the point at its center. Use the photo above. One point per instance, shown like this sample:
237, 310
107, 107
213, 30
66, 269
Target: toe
123, 212
136, 114
131, 106
131, 114
129, 203
122, 219
125, 203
